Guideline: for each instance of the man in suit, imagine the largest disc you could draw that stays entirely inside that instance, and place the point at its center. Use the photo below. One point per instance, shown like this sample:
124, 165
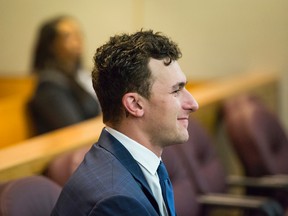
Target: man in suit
145, 105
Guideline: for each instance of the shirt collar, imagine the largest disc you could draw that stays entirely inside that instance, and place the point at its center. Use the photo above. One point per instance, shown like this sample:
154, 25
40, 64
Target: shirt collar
140, 153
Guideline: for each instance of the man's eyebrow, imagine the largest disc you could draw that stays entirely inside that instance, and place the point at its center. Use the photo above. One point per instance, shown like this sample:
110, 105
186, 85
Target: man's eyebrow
179, 85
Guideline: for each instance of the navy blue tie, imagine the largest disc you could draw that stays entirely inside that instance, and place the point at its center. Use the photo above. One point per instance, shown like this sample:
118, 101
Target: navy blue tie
166, 187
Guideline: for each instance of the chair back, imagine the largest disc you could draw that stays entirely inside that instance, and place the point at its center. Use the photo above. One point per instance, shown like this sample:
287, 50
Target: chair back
194, 168
63, 166
185, 191
30, 196
257, 136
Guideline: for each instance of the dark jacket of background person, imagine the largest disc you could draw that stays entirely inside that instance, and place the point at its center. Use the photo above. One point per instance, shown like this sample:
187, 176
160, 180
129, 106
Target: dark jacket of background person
61, 99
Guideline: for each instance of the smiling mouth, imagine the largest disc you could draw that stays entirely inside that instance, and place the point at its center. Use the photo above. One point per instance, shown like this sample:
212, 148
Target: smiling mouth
183, 118
184, 121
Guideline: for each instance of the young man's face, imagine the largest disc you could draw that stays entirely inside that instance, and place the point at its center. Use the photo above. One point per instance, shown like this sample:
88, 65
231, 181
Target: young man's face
169, 106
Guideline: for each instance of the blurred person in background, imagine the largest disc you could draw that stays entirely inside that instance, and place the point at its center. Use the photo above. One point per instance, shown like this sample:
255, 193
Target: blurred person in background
64, 94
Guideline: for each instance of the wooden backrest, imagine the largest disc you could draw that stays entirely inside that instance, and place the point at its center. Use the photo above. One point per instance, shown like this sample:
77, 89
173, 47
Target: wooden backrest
31, 156
16, 124
23, 85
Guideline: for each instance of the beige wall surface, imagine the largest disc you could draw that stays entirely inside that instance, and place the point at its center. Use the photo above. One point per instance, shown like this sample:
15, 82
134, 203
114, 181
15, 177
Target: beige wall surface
19, 22
217, 37
224, 36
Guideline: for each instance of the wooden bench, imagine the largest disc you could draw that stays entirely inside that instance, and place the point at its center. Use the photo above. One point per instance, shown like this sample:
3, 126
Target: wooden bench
23, 85
16, 124
31, 156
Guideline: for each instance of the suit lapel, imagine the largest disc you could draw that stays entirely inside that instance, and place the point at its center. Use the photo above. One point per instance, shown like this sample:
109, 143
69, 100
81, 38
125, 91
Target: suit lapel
108, 142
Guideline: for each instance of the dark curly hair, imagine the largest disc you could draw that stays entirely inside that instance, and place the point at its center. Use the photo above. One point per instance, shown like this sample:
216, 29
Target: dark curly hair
121, 66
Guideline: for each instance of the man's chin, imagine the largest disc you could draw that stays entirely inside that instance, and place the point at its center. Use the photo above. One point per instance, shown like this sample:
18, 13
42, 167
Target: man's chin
184, 138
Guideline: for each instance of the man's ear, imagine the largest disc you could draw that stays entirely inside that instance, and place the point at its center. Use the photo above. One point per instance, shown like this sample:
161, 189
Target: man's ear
133, 104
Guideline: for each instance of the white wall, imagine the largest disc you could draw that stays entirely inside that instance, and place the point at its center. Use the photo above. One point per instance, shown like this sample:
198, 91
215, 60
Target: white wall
217, 37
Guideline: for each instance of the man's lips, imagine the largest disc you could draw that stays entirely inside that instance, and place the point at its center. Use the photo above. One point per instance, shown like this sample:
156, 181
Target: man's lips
183, 118
184, 121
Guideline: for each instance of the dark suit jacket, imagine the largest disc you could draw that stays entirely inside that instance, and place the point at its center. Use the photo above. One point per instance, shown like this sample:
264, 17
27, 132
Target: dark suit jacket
109, 182
60, 101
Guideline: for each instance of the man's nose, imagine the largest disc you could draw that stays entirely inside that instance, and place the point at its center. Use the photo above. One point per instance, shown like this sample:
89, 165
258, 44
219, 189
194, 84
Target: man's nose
191, 103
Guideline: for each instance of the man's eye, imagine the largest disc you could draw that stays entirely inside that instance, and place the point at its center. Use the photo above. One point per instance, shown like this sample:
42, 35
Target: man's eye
176, 92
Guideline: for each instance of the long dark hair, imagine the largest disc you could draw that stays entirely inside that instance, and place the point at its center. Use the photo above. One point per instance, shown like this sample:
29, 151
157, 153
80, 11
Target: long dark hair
46, 36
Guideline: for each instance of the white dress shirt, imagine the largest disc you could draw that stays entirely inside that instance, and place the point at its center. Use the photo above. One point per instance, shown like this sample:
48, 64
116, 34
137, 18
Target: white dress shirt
148, 163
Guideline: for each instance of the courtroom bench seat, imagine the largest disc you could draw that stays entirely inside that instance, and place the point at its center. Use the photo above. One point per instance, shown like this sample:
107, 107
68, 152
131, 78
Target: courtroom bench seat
17, 85
16, 124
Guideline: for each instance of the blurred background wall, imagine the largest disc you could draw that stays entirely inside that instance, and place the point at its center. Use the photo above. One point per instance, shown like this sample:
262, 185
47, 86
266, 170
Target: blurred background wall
217, 37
